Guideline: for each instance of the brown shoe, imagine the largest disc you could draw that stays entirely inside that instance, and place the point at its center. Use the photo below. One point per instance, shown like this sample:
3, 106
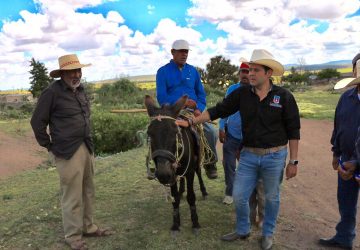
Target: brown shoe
100, 232
77, 244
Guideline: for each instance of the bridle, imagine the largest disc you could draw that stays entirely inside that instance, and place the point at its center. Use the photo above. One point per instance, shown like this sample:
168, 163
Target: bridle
179, 151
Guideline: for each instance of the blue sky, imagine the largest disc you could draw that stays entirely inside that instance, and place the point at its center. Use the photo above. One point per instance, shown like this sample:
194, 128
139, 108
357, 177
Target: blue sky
134, 37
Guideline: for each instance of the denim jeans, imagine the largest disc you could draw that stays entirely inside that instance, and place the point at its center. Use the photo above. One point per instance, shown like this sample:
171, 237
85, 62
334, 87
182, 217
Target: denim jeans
230, 147
347, 196
269, 168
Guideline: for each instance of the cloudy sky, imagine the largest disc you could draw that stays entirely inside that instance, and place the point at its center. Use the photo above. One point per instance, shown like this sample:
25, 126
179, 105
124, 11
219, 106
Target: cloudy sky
134, 37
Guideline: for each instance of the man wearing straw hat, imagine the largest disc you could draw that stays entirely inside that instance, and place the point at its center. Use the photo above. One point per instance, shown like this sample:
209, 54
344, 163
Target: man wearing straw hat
65, 107
346, 125
271, 120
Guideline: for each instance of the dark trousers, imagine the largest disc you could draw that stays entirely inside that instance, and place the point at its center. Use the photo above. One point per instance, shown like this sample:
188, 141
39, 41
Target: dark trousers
231, 147
347, 195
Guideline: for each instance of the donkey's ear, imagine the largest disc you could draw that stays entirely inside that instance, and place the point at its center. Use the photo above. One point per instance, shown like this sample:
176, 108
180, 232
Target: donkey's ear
179, 105
149, 104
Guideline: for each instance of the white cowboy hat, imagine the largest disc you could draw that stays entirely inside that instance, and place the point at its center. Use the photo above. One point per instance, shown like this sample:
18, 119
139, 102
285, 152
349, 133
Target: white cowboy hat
180, 44
351, 81
263, 57
67, 62
347, 82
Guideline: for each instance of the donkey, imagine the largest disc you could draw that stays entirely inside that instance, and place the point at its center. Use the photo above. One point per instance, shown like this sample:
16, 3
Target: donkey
173, 151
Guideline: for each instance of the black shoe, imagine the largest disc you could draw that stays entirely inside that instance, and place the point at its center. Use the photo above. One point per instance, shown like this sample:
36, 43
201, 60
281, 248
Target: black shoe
211, 171
332, 243
234, 236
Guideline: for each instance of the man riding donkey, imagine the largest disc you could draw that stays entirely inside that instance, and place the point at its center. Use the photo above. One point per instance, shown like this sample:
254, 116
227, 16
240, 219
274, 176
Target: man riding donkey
178, 78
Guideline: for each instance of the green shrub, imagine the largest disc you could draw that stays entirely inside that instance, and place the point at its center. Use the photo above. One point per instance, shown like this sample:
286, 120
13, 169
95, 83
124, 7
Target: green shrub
114, 133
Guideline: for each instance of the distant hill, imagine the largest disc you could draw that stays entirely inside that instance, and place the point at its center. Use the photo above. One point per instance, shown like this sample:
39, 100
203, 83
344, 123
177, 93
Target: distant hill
333, 64
137, 79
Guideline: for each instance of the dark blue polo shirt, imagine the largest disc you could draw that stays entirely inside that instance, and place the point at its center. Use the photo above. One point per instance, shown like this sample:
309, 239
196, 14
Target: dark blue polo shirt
346, 124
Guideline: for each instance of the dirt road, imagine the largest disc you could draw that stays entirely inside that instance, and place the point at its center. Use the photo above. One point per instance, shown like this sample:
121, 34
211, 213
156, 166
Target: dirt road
19, 153
308, 205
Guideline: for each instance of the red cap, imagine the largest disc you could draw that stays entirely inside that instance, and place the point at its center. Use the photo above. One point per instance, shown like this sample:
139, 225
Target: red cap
244, 66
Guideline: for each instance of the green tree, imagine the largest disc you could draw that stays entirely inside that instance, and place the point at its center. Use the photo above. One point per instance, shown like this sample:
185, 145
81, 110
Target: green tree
328, 74
39, 77
219, 72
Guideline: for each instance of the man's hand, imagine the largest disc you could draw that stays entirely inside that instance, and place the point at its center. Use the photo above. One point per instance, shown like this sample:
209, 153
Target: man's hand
348, 171
291, 171
222, 136
182, 123
197, 112
335, 162
190, 104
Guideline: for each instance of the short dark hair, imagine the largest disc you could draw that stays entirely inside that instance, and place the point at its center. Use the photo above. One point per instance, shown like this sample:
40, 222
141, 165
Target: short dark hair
356, 58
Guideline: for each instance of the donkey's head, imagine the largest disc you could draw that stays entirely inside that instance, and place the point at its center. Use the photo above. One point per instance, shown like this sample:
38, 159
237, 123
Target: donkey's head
164, 135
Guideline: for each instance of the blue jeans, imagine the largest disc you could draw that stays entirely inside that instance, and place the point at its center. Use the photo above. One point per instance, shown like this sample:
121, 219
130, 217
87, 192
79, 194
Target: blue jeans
230, 147
211, 135
269, 168
347, 196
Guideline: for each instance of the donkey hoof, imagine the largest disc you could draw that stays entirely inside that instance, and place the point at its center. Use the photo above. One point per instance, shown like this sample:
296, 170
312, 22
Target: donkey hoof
196, 231
174, 233
204, 196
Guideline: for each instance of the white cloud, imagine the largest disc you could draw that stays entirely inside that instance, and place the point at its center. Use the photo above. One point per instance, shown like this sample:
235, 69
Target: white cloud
115, 49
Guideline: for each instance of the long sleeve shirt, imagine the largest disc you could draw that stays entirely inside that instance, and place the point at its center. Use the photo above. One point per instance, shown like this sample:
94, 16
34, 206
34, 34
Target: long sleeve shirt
173, 82
267, 123
346, 124
232, 122
68, 115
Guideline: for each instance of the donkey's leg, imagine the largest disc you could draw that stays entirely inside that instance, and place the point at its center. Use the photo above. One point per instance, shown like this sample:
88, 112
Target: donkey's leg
201, 182
182, 187
176, 212
191, 200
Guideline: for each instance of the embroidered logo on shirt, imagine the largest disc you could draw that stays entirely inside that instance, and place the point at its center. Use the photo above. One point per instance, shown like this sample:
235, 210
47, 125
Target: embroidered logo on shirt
276, 102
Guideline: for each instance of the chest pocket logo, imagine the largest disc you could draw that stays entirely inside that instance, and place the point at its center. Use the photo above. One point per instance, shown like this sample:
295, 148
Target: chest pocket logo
276, 102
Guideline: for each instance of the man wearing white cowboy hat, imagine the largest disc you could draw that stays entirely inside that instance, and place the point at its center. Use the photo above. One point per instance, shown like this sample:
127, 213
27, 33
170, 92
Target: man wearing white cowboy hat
271, 120
343, 140
65, 107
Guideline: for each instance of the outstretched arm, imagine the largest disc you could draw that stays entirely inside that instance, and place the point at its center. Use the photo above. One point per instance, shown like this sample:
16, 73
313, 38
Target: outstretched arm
204, 117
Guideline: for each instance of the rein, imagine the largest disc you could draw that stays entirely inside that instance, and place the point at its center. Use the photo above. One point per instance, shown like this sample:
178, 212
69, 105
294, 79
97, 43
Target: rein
179, 145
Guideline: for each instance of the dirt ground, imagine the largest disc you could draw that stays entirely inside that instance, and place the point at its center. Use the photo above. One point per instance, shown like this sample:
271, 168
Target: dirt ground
308, 203
18, 153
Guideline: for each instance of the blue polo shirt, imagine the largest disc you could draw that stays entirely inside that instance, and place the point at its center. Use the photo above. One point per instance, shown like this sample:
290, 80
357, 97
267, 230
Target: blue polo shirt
172, 83
346, 124
233, 122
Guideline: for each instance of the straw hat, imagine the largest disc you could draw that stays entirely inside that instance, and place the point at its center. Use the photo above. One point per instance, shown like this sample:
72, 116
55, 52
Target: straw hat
67, 62
263, 57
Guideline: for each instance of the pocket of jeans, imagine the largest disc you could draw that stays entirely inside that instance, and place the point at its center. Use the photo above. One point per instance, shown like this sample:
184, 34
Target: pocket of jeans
281, 154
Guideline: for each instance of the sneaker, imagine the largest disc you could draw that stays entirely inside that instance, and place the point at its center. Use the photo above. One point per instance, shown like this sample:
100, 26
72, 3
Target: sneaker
228, 200
151, 174
266, 242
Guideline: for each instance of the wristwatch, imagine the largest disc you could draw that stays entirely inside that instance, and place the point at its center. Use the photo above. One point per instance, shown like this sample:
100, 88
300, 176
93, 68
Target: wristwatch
294, 162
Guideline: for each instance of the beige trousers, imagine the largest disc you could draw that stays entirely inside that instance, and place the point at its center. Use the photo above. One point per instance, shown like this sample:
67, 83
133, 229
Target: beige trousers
78, 193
